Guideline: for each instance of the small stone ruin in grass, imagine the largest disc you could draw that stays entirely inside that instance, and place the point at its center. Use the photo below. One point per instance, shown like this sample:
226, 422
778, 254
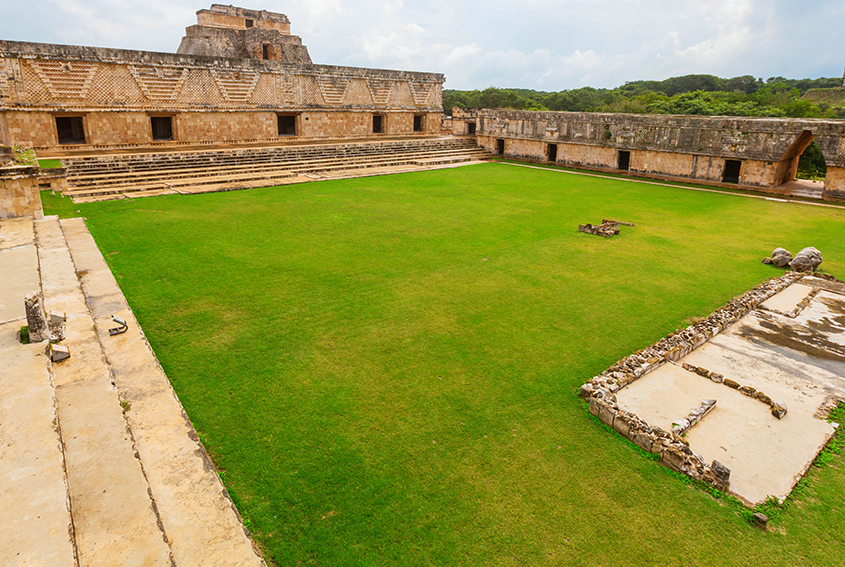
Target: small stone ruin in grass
807, 260
607, 228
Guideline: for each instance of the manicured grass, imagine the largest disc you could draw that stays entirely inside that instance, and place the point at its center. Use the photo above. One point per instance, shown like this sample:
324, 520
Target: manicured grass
56, 204
49, 163
385, 370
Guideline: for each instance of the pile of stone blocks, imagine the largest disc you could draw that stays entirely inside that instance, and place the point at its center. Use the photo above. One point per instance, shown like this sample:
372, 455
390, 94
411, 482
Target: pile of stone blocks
607, 228
46, 327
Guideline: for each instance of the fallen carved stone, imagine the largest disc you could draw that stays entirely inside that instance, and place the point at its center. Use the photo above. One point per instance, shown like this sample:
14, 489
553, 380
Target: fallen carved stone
36, 318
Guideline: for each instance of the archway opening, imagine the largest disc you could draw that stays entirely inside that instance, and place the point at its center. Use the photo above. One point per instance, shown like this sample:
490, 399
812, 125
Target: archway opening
787, 167
811, 164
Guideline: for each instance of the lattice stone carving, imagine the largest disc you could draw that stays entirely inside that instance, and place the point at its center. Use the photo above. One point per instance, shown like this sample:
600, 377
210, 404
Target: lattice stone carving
841, 152
309, 90
401, 95
710, 139
5, 82
645, 136
235, 86
288, 88
380, 89
758, 142
421, 92
333, 88
358, 94
157, 82
66, 79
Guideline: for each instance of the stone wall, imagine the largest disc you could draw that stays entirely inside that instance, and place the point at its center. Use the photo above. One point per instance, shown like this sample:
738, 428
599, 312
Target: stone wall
461, 120
692, 147
19, 196
115, 91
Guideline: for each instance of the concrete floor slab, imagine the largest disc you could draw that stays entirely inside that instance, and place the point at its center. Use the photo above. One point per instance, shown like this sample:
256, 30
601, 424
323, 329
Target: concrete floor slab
800, 361
36, 524
200, 520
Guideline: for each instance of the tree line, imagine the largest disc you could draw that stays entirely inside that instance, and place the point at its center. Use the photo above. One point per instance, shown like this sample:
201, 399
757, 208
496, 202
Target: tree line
690, 94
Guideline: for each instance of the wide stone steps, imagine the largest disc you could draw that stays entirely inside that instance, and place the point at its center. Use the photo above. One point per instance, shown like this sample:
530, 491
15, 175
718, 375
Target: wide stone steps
191, 178
190, 170
179, 160
99, 465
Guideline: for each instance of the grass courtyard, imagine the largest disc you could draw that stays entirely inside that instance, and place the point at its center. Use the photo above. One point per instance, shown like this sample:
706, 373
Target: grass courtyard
385, 370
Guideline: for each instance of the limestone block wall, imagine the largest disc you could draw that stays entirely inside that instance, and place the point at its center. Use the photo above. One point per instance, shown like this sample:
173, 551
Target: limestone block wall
115, 91
19, 196
694, 147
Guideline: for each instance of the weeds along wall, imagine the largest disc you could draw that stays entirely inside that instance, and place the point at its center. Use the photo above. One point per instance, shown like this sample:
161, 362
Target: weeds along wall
755, 152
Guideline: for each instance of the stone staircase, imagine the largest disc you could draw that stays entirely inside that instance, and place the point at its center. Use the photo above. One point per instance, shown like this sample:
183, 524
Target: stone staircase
119, 176
99, 466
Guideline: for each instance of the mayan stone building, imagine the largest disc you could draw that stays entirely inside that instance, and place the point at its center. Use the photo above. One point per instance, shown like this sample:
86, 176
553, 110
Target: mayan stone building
239, 76
751, 152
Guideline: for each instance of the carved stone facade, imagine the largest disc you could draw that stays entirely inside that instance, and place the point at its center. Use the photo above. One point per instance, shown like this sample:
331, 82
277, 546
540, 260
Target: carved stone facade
756, 152
67, 97
227, 31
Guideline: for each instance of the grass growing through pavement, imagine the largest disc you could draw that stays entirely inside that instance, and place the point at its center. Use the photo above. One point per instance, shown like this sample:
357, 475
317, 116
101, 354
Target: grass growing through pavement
385, 370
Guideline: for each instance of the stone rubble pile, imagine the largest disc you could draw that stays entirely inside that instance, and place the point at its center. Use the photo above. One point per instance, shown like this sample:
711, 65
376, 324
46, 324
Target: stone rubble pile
44, 328
807, 260
674, 451
607, 228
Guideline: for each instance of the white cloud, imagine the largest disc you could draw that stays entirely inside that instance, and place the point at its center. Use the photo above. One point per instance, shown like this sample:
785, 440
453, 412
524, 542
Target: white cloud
541, 44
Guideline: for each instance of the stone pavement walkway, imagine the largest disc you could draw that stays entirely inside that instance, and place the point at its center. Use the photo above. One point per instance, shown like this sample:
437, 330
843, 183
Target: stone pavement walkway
100, 465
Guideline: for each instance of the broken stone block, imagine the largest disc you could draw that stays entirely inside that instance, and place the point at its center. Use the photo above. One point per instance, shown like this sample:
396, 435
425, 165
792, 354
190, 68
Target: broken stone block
778, 409
607, 415
781, 257
721, 474
761, 520
731, 384
763, 398
36, 318
716, 377
807, 260
58, 353
57, 317
748, 390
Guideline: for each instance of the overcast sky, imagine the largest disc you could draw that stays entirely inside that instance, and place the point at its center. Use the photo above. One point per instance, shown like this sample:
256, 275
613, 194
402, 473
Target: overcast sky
537, 44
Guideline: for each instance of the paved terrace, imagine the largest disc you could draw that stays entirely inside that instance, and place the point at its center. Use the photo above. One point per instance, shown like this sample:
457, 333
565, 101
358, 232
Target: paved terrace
83, 482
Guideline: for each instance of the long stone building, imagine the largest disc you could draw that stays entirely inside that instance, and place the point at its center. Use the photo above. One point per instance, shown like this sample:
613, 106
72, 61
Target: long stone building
239, 76
751, 152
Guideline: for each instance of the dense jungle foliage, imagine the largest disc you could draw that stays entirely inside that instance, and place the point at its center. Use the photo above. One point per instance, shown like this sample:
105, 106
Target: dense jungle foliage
690, 94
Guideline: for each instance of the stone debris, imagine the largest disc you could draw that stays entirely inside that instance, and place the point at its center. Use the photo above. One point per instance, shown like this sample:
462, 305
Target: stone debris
58, 353
36, 318
57, 325
674, 451
780, 258
682, 425
807, 260
779, 409
761, 520
607, 228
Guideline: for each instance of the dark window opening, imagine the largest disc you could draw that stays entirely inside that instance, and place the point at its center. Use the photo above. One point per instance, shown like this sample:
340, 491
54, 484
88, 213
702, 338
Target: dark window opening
287, 125
551, 152
731, 173
624, 160
70, 129
162, 127
500, 147
378, 124
418, 123
266, 51
471, 128
249, 23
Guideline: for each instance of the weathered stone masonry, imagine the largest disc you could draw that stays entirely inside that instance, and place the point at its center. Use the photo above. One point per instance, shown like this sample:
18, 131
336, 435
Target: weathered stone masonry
58, 96
755, 152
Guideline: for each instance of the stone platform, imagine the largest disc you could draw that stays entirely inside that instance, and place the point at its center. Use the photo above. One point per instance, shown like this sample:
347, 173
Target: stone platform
780, 347
99, 464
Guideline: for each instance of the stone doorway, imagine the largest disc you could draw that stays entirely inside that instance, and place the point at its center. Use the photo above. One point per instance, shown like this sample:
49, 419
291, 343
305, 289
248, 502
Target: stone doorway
162, 127
551, 152
500, 147
731, 172
624, 160
70, 129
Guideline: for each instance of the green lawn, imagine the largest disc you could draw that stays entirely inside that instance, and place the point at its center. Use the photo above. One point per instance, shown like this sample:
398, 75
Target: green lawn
385, 370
